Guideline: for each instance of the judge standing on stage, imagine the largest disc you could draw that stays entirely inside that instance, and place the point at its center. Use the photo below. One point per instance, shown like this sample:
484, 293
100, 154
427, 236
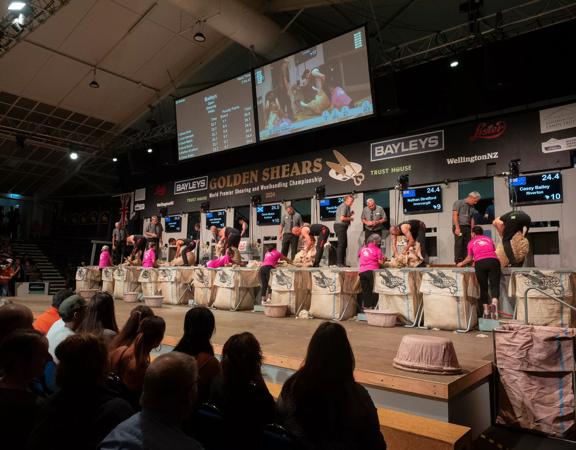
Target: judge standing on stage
463, 213
373, 218
343, 219
289, 240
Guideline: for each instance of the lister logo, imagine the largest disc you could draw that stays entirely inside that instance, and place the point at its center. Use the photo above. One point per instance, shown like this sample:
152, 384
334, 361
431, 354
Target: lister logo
406, 146
191, 185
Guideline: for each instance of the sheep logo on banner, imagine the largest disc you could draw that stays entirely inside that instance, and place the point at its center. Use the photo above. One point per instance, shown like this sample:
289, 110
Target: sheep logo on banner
345, 170
393, 282
201, 278
539, 280
443, 281
282, 279
145, 275
81, 273
224, 278
322, 281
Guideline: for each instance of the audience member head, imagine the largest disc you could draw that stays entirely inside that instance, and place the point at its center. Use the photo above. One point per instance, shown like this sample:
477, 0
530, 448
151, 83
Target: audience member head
199, 325
150, 335
72, 311
242, 359
100, 315
14, 317
477, 230
83, 362
170, 386
375, 239
23, 355
60, 296
130, 329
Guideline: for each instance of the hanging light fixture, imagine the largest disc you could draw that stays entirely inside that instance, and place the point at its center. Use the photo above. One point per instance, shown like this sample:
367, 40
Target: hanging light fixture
16, 6
199, 36
94, 84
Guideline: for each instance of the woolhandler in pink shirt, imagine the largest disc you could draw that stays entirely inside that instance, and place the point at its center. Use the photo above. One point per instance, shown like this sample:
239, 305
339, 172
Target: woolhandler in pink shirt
370, 259
105, 259
271, 260
481, 250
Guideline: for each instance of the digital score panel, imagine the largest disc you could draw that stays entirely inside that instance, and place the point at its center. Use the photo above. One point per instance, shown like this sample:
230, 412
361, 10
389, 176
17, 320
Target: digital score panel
422, 200
216, 119
328, 207
216, 218
268, 214
536, 189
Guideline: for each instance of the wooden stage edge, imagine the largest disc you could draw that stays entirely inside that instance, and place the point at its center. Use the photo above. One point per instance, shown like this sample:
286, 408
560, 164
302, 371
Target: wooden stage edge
284, 342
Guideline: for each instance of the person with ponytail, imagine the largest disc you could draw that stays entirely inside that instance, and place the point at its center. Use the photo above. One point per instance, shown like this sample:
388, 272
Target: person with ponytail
130, 329
199, 325
129, 363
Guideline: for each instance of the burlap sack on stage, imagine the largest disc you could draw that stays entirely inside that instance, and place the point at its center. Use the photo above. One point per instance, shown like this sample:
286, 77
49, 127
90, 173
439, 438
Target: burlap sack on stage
126, 280
176, 284
541, 309
235, 288
520, 248
148, 279
204, 289
334, 293
292, 288
398, 290
449, 298
535, 366
108, 280
88, 278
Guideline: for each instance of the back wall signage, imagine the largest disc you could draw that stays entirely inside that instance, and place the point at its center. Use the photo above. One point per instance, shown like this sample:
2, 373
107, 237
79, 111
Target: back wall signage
463, 151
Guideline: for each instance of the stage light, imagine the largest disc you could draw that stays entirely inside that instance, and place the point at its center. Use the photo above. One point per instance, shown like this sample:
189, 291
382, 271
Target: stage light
114, 159
199, 37
320, 192
16, 6
256, 200
514, 168
150, 150
404, 180
204, 207
73, 156
455, 63
94, 84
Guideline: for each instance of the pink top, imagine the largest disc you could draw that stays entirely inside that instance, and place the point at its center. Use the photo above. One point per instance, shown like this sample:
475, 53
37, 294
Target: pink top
219, 262
105, 260
481, 247
271, 258
369, 256
149, 258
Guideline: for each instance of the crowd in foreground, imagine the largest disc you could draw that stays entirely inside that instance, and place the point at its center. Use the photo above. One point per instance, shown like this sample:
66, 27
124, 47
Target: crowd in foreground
72, 379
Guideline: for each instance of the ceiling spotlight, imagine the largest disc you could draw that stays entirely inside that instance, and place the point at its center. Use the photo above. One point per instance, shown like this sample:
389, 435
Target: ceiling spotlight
94, 84
454, 64
73, 156
150, 150
16, 6
114, 159
200, 36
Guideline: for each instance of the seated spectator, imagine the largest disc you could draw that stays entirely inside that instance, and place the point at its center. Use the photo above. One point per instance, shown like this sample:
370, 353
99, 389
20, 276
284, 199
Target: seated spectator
167, 400
129, 363
199, 325
100, 318
45, 320
22, 357
72, 312
6, 274
322, 405
14, 317
82, 412
240, 392
130, 329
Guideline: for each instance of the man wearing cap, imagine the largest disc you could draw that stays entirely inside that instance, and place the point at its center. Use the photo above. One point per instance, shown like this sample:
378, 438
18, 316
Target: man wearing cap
44, 321
71, 312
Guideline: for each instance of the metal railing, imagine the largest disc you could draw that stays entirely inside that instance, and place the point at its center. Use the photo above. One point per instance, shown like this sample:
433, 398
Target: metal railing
562, 302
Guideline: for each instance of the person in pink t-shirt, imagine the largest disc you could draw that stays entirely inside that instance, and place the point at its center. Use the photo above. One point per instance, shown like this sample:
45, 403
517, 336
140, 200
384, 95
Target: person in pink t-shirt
481, 250
222, 261
149, 256
370, 259
105, 259
271, 259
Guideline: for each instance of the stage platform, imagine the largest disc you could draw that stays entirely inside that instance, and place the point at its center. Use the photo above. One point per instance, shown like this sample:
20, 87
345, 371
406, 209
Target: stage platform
462, 399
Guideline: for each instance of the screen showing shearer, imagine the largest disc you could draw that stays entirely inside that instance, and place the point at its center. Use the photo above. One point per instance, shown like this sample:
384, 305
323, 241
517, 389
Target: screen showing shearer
217, 218
541, 188
323, 85
422, 200
216, 119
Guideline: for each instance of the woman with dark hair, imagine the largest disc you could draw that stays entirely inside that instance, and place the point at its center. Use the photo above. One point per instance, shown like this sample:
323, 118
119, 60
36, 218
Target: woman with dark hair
199, 326
100, 318
130, 329
322, 405
240, 393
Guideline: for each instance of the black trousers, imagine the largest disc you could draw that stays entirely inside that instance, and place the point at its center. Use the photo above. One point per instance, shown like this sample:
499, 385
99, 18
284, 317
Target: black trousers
421, 239
368, 233
233, 240
264, 280
321, 240
488, 273
119, 252
368, 298
187, 249
461, 243
341, 231
289, 241
511, 227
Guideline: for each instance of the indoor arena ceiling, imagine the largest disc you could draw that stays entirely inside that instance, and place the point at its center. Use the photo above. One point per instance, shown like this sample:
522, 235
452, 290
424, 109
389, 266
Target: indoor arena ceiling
142, 54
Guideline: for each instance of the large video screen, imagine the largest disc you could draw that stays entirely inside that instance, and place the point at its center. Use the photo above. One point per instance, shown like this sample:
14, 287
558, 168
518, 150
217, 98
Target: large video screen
323, 85
328, 207
268, 214
541, 188
422, 200
216, 119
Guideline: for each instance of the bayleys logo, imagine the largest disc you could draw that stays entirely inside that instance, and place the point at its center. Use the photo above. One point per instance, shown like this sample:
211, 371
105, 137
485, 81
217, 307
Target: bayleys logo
344, 170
